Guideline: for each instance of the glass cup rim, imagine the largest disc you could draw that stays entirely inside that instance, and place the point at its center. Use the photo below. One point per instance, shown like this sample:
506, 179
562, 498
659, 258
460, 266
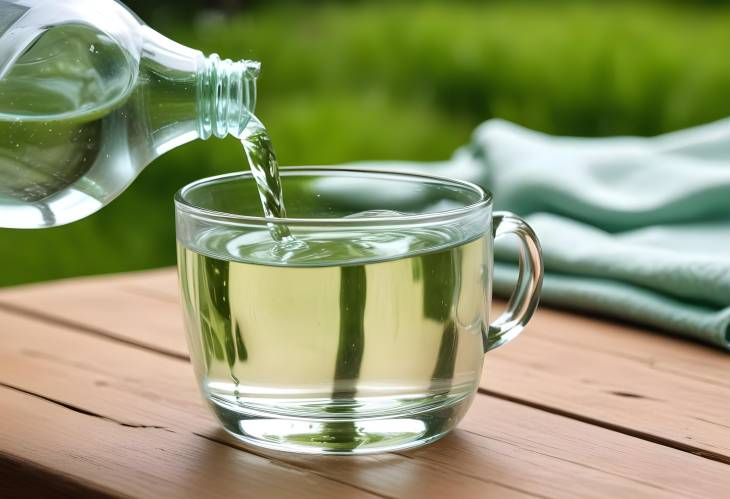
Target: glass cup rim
182, 204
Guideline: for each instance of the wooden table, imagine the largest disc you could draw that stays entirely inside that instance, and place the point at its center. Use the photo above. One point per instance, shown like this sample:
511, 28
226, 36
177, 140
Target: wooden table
97, 399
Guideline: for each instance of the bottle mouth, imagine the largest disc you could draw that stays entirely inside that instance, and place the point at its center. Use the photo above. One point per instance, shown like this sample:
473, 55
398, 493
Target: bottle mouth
226, 96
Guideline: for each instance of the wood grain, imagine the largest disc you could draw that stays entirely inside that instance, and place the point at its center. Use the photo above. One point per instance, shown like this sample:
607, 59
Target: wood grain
145, 462
133, 402
658, 387
622, 377
103, 305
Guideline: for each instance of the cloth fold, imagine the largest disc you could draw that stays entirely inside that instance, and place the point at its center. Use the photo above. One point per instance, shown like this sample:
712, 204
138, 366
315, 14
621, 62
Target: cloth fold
632, 228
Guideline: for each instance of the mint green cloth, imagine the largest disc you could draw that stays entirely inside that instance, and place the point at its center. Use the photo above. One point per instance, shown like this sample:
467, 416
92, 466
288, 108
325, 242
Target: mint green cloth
632, 228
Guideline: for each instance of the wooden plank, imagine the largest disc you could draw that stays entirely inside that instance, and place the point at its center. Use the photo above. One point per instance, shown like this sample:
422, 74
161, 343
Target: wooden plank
664, 389
144, 462
623, 377
502, 448
119, 307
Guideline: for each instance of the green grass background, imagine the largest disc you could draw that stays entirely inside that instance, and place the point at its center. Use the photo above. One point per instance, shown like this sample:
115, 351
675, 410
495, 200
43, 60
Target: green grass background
350, 81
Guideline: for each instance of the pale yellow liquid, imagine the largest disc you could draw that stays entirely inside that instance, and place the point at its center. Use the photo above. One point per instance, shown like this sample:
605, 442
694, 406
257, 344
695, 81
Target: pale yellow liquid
372, 339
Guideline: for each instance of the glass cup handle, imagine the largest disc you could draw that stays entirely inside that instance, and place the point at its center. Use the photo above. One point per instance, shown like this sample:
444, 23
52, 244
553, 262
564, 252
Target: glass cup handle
523, 302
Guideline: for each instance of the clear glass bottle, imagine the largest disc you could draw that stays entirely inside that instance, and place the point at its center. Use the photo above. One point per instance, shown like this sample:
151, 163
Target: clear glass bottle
90, 95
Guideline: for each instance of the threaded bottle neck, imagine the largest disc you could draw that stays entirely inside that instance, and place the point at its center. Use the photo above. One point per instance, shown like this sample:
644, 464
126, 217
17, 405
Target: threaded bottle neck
226, 95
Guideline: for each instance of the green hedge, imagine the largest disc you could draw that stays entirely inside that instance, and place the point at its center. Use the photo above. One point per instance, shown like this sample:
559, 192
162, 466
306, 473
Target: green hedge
354, 81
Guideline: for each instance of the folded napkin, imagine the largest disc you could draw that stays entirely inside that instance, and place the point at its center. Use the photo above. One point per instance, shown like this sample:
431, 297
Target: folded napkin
632, 228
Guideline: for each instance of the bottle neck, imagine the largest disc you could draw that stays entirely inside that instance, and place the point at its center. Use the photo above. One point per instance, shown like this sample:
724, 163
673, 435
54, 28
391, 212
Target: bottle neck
188, 96
226, 95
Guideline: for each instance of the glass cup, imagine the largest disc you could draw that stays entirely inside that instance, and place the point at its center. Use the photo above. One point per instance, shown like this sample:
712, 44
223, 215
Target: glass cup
365, 329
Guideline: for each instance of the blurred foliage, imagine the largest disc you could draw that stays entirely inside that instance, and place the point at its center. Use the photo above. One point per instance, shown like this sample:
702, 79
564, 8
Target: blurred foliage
357, 80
